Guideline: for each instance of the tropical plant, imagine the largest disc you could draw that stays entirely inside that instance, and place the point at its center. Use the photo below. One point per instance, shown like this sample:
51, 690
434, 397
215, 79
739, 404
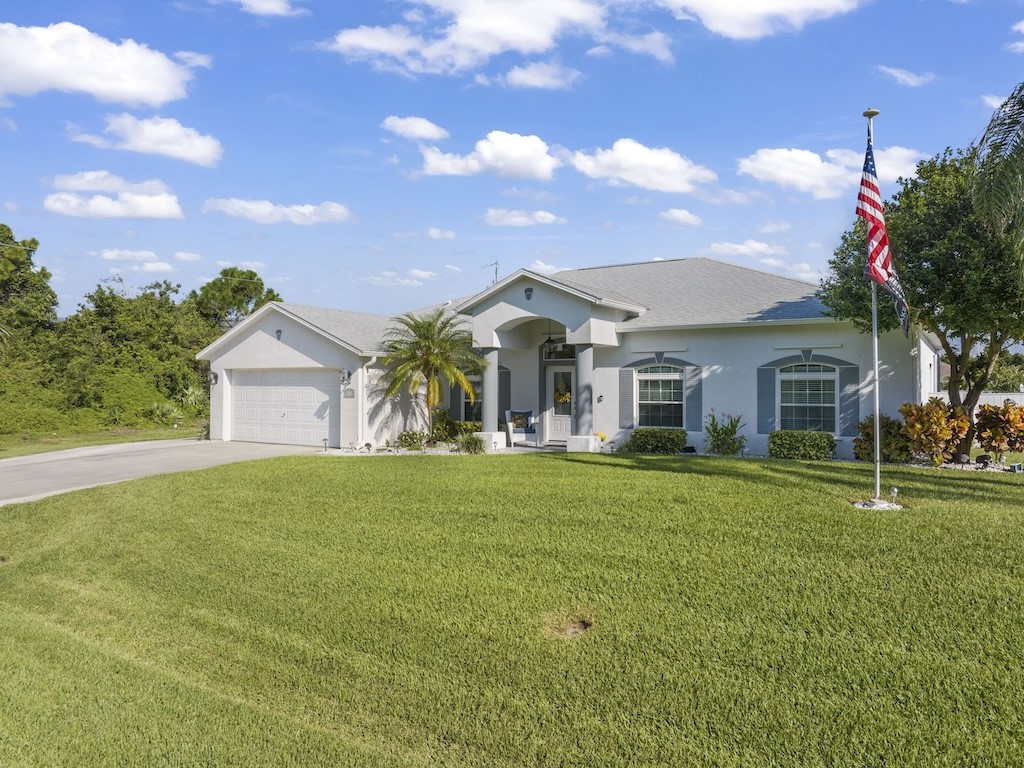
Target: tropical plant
1001, 428
423, 352
722, 435
935, 429
997, 186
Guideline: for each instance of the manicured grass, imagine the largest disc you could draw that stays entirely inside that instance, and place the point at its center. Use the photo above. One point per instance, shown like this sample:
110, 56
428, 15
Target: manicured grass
25, 444
412, 611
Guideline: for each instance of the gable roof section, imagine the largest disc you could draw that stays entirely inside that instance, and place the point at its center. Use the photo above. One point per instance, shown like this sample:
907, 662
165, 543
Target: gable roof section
700, 292
601, 296
361, 333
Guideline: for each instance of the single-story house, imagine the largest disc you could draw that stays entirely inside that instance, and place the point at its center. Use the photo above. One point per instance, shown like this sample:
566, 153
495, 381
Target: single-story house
602, 349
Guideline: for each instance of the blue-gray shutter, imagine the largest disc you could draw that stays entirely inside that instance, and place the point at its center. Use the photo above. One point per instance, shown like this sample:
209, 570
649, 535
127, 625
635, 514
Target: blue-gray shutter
504, 392
693, 402
455, 403
765, 400
849, 400
626, 398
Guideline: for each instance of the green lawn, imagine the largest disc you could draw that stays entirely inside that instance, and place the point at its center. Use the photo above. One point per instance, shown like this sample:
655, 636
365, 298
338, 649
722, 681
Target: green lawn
415, 611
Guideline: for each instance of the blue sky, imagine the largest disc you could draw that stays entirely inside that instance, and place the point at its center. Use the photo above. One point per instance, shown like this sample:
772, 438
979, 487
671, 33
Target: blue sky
384, 155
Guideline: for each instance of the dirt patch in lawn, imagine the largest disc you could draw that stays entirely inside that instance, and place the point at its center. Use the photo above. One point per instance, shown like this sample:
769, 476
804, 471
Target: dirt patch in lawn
567, 626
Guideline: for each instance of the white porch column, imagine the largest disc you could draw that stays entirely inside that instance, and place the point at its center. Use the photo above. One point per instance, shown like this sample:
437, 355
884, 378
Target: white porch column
583, 412
490, 393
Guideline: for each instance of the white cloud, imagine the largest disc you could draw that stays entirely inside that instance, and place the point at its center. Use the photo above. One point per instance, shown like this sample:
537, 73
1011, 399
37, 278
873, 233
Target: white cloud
157, 136
504, 154
153, 266
681, 216
255, 266
468, 33
265, 212
453, 268
411, 278
543, 268
125, 205
270, 7
542, 75
414, 128
440, 234
194, 60
630, 162
905, 77
773, 227
830, 177
105, 181
120, 254
747, 248
67, 57
992, 101
501, 217
751, 19
186, 256
655, 44
421, 274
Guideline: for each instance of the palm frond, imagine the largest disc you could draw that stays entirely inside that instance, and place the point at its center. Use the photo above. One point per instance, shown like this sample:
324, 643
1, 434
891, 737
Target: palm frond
998, 183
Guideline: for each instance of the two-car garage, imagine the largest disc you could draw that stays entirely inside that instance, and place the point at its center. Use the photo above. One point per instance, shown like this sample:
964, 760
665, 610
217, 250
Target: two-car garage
299, 407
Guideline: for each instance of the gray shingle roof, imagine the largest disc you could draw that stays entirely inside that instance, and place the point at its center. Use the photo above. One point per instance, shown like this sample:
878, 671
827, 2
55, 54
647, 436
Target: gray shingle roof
362, 331
694, 292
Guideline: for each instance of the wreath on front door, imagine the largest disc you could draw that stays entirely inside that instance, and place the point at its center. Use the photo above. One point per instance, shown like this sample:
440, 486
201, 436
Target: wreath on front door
562, 395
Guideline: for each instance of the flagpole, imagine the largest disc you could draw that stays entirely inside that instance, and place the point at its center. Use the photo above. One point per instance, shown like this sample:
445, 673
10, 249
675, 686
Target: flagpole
870, 114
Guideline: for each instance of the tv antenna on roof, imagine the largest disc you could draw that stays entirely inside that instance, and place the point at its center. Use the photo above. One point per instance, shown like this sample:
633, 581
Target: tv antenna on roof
494, 264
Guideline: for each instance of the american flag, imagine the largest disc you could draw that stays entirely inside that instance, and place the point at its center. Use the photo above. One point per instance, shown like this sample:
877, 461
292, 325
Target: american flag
879, 267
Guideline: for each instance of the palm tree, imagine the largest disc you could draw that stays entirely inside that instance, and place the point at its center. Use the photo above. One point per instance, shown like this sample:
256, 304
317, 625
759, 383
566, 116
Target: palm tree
998, 182
424, 351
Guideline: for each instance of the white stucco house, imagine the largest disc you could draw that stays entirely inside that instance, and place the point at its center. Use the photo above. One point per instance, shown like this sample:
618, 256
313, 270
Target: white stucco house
603, 349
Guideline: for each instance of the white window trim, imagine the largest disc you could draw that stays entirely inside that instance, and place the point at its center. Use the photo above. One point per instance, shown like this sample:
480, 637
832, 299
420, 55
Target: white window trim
831, 374
639, 376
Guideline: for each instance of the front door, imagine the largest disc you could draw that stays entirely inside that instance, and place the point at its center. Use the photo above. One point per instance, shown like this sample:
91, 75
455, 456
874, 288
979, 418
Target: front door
560, 404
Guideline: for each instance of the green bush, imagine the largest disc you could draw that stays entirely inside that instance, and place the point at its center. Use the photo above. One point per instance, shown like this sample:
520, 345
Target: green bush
805, 446
722, 436
471, 443
934, 429
412, 441
894, 444
655, 440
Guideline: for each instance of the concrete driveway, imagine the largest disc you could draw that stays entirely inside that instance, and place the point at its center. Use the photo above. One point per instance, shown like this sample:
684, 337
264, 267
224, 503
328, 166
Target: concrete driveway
27, 478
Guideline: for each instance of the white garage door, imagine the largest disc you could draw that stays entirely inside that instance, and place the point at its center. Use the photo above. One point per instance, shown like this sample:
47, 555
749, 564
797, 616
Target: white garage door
297, 407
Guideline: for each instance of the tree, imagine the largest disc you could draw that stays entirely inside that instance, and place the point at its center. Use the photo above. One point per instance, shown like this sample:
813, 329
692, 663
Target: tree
232, 296
997, 185
423, 352
958, 275
28, 304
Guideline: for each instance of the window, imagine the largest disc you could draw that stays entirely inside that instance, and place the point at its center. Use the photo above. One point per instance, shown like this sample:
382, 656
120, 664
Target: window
807, 397
660, 393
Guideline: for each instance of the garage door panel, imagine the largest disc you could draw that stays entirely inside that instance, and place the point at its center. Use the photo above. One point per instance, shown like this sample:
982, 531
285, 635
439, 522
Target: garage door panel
295, 407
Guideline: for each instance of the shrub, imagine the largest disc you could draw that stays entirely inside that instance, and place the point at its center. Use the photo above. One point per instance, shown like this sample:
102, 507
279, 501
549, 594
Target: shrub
655, 440
164, 413
894, 444
411, 441
796, 444
934, 429
471, 443
1000, 429
722, 436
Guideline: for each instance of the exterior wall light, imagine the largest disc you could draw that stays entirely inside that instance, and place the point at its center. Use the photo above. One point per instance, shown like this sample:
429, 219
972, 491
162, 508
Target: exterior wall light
529, 293
345, 376
278, 334
213, 378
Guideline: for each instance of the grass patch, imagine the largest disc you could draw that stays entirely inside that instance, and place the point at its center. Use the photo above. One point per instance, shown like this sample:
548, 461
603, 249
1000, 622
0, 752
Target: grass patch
515, 611
25, 444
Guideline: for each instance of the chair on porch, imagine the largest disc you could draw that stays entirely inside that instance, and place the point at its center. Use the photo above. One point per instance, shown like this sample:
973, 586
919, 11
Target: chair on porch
521, 427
